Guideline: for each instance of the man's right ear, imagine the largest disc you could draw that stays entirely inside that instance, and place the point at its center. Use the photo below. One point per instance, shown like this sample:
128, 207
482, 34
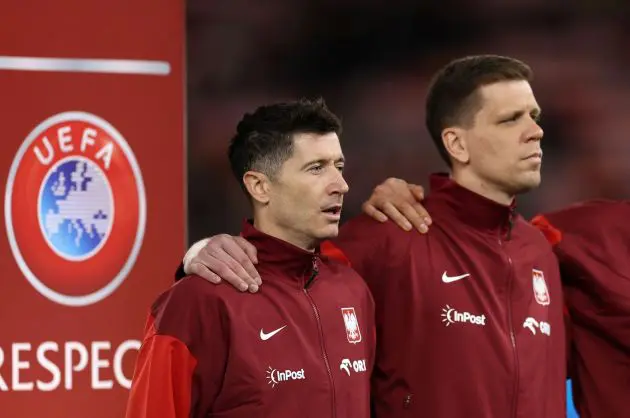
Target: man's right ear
454, 140
258, 186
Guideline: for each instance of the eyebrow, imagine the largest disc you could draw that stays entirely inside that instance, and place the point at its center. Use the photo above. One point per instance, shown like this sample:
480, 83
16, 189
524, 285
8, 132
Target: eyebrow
323, 161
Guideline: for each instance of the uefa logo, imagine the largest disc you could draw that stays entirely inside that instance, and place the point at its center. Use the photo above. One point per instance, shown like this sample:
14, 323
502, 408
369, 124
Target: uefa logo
75, 208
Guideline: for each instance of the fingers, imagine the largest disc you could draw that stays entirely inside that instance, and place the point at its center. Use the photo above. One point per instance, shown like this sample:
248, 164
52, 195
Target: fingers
397, 200
410, 211
418, 193
221, 262
239, 261
422, 214
370, 210
220, 268
406, 216
249, 249
388, 191
203, 272
248, 264
225, 258
395, 215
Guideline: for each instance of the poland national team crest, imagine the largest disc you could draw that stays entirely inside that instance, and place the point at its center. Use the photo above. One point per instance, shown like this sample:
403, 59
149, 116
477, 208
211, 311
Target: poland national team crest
75, 208
541, 292
353, 332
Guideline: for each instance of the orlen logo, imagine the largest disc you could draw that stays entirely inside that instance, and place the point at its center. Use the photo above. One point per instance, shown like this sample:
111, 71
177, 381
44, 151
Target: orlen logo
358, 366
274, 377
75, 208
452, 316
532, 324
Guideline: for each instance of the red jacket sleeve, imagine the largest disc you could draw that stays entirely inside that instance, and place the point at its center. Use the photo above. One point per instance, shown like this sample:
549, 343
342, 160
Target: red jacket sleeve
180, 368
162, 381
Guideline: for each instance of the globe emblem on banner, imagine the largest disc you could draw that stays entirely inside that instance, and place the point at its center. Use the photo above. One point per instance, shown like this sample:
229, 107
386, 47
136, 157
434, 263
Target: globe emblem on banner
76, 208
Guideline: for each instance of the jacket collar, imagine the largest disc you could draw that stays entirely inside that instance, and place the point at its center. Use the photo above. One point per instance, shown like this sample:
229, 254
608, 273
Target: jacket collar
281, 255
471, 208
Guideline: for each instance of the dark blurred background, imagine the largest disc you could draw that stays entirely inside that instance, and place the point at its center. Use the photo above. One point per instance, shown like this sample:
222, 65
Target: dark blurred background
372, 61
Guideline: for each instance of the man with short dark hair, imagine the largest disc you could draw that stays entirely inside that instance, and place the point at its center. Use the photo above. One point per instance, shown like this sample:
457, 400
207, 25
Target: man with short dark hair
469, 316
475, 110
303, 346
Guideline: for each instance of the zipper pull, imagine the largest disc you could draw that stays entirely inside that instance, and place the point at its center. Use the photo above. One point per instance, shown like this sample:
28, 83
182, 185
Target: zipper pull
314, 272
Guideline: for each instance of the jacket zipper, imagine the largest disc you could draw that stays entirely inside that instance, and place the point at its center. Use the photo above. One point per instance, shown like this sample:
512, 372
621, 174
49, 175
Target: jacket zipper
509, 309
314, 273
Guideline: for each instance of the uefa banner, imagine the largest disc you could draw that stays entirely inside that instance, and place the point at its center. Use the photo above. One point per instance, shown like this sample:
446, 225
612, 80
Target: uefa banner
92, 163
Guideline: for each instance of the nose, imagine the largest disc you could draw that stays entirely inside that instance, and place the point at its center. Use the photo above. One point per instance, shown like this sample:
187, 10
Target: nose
536, 132
339, 184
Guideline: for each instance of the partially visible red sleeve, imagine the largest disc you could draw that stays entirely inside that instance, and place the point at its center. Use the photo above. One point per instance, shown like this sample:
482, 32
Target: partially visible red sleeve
553, 234
162, 382
329, 249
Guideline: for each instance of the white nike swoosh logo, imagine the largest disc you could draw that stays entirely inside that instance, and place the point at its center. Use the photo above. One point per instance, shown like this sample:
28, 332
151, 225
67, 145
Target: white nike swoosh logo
265, 337
450, 279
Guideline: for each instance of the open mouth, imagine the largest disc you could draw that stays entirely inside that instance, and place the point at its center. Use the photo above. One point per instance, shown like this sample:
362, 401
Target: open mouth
333, 210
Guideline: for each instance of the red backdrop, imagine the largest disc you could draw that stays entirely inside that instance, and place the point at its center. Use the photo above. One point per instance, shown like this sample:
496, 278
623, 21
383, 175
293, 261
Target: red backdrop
94, 151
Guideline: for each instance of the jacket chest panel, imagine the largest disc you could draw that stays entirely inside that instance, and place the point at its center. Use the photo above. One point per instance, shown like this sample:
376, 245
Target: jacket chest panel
308, 346
491, 301
481, 282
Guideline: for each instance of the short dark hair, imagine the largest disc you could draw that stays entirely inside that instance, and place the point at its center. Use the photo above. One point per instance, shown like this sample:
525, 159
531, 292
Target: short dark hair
453, 97
264, 139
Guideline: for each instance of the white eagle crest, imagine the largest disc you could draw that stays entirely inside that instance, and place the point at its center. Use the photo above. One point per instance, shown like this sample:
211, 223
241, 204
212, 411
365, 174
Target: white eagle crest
352, 325
540, 288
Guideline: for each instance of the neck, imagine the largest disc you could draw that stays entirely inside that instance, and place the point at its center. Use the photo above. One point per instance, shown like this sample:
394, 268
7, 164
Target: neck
482, 188
270, 228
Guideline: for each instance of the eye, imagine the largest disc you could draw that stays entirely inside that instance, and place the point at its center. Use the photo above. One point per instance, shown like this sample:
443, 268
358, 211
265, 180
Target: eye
316, 169
340, 167
512, 118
